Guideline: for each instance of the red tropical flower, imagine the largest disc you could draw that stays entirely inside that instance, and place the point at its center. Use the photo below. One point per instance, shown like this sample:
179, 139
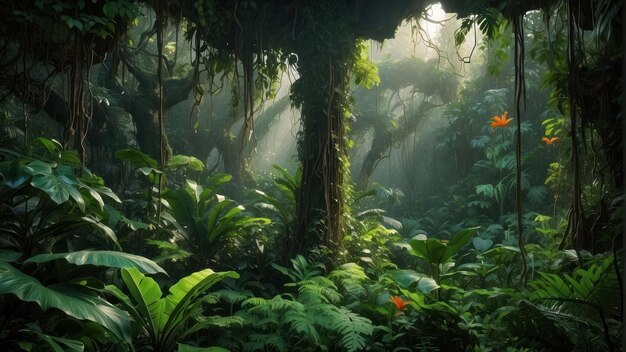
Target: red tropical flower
500, 121
399, 302
550, 141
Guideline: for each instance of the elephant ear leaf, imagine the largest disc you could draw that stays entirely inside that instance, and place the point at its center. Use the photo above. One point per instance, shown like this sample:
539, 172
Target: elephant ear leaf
183, 293
73, 300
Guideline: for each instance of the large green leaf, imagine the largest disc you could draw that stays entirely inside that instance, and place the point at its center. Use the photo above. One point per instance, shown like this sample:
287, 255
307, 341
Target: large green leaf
165, 318
74, 300
188, 348
438, 252
191, 162
102, 228
59, 344
406, 278
146, 294
8, 255
52, 146
184, 291
13, 174
110, 259
136, 158
460, 240
430, 249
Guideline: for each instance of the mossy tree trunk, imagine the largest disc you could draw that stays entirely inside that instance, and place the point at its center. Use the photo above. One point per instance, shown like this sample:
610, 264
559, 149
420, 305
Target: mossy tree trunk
324, 59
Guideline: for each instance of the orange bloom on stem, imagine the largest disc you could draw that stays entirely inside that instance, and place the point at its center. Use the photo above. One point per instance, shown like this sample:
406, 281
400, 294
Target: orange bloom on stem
550, 141
498, 121
399, 302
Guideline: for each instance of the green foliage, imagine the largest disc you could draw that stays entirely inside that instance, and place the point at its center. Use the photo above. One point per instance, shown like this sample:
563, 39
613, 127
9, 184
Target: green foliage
141, 162
576, 308
279, 202
207, 220
75, 300
438, 253
486, 18
108, 259
44, 202
406, 278
312, 315
364, 71
165, 319
58, 221
302, 270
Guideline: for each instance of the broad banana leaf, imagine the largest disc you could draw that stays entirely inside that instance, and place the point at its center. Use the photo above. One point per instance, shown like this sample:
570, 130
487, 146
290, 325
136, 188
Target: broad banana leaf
110, 259
74, 300
146, 294
185, 290
164, 318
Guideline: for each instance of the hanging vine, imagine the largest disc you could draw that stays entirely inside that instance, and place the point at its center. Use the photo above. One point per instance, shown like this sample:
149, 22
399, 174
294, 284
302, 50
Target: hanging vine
326, 54
520, 98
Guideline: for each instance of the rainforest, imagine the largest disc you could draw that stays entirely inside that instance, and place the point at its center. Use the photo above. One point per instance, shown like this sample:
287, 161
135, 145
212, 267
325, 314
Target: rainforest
311, 175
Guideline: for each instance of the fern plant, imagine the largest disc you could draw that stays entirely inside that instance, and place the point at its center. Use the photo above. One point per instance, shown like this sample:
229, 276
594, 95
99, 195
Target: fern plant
588, 299
312, 315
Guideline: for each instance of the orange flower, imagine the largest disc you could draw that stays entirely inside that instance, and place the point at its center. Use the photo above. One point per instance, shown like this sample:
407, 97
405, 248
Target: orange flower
498, 121
550, 141
399, 302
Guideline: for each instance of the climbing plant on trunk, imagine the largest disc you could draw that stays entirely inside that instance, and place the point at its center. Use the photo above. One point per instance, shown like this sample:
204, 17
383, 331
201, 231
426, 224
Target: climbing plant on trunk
325, 55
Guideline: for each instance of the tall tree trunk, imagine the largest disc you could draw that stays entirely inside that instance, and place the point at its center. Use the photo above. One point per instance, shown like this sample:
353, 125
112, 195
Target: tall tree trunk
326, 54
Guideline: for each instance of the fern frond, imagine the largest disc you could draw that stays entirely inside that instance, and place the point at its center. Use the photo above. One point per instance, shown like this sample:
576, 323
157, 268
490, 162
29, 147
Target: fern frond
233, 296
253, 301
268, 307
348, 270
302, 324
597, 284
215, 322
261, 342
353, 329
354, 289
313, 293
349, 277
560, 311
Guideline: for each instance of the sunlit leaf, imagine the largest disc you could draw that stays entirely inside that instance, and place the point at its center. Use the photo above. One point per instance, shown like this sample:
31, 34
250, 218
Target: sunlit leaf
407, 278
111, 259
135, 157
188, 348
